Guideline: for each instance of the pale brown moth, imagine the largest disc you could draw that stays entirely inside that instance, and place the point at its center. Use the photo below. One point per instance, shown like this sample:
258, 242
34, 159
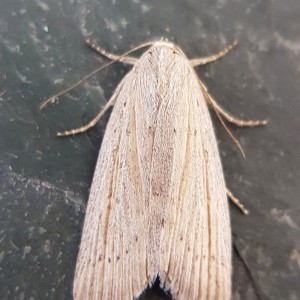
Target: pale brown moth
158, 204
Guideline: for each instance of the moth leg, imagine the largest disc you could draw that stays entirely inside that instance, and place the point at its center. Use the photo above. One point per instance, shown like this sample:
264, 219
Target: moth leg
237, 202
91, 124
205, 60
225, 114
232, 119
126, 59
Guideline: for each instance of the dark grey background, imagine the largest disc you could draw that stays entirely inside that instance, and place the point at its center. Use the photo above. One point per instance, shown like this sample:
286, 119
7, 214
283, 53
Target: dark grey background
45, 180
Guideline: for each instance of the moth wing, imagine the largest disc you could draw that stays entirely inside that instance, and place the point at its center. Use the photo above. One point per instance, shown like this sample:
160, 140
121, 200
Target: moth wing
114, 229
189, 234
158, 203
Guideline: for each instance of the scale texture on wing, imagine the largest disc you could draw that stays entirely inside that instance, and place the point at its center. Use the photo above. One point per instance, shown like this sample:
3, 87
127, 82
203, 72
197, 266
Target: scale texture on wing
158, 203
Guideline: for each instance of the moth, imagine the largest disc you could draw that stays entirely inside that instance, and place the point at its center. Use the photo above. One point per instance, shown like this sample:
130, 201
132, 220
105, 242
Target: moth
158, 202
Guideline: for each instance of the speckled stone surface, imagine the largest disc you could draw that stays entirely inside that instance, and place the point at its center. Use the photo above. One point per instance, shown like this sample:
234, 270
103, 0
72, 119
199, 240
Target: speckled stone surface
45, 180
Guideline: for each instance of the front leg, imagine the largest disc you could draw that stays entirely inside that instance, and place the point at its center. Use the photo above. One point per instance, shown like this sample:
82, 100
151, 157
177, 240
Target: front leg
126, 59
